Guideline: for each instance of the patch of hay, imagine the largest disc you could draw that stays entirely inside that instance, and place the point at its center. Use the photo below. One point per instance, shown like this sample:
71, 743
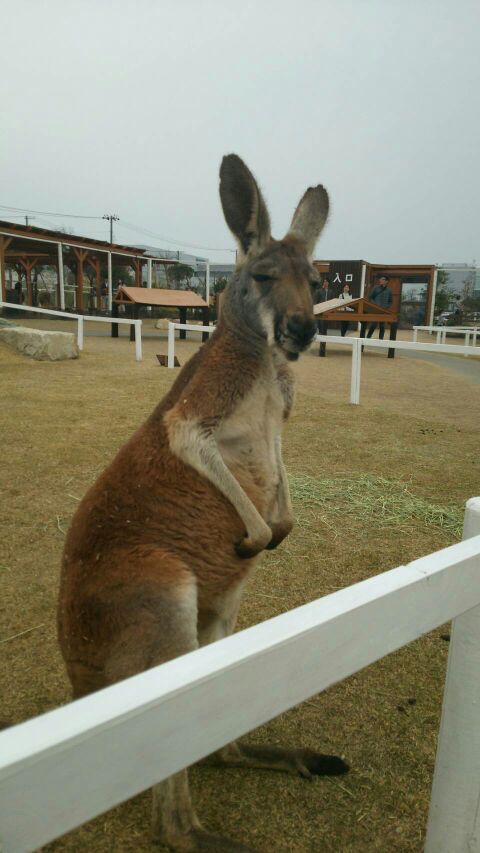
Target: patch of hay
387, 502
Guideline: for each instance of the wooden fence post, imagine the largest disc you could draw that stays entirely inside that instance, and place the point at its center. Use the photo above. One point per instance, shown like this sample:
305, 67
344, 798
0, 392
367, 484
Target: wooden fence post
138, 340
454, 819
80, 333
356, 370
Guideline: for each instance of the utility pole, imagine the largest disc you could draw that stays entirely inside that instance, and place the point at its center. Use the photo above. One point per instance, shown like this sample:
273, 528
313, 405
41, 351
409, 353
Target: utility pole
112, 218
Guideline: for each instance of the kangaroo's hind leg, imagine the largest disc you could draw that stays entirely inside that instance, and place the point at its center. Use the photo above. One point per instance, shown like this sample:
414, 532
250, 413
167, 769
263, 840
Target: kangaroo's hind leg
161, 623
302, 762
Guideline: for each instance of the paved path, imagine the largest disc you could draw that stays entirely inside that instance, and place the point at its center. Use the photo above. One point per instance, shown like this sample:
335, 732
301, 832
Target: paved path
469, 368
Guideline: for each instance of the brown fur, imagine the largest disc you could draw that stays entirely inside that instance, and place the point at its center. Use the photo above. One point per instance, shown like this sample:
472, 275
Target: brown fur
161, 545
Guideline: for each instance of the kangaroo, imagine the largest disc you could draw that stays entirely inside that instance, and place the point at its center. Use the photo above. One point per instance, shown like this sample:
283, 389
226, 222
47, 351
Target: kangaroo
160, 548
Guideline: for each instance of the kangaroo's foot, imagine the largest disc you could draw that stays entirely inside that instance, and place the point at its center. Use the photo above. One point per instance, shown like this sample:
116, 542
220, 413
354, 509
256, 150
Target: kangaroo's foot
176, 824
199, 841
304, 762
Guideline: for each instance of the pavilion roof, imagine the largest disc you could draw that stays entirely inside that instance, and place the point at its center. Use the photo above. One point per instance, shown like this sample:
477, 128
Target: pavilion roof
46, 235
158, 296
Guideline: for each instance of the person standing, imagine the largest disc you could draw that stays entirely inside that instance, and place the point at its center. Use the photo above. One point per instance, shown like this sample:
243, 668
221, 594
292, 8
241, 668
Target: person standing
104, 295
346, 296
323, 294
381, 295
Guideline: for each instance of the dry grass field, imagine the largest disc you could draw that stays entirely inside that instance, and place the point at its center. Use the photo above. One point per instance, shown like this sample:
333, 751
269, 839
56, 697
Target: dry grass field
374, 486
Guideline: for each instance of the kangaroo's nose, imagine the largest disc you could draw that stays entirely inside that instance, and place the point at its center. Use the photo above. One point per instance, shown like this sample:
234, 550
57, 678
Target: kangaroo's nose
301, 329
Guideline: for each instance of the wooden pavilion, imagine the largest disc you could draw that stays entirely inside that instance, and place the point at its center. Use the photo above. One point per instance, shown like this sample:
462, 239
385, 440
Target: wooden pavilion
30, 248
134, 298
361, 276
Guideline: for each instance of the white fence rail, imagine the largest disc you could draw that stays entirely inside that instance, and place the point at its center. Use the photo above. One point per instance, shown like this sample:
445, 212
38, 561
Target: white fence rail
81, 318
59, 770
357, 345
443, 331
171, 337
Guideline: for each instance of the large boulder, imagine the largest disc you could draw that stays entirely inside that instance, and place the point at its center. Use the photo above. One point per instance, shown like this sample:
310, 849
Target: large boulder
43, 346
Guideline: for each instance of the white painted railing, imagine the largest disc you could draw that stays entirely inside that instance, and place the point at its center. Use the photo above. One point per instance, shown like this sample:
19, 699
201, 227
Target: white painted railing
63, 768
443, 331
357, 345
80, 318
171, 337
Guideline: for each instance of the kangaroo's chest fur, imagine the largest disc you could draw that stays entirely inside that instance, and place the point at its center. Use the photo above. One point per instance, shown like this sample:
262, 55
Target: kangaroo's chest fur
249, 439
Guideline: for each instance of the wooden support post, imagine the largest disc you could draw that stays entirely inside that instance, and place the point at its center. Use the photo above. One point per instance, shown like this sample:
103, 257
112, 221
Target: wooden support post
4, 244
183, 319
95, 263
114, 330
393, 337
149, 272
206, 322
28, 279
136, 316
323, 329
136, 264
28, 265
80, 255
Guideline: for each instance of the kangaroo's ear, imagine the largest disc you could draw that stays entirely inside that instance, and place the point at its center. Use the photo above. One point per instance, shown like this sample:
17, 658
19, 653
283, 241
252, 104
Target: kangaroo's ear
310, 217
244, 209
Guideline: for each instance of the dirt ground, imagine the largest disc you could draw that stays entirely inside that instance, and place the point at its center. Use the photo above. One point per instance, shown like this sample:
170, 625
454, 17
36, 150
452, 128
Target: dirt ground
374, 486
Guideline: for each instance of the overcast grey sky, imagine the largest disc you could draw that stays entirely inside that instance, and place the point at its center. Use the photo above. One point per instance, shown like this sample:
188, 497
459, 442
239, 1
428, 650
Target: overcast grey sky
128, 107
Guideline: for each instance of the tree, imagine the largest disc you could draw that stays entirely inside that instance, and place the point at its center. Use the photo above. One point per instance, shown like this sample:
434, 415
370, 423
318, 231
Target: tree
220, 284
444, 294
180, 276
472, 303
120, 273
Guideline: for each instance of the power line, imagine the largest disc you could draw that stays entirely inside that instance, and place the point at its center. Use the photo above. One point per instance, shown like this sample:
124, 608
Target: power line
129, 226
148, 233
47, 213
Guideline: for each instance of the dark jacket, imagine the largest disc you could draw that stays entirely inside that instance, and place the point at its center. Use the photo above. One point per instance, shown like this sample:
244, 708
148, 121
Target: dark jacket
381, 296
322, 295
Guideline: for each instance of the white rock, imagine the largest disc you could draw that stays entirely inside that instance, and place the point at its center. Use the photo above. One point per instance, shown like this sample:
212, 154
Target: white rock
163, 322
43, 346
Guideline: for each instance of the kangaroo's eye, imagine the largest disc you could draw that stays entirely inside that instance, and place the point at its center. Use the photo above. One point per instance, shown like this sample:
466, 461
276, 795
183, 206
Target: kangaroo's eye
260, 277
